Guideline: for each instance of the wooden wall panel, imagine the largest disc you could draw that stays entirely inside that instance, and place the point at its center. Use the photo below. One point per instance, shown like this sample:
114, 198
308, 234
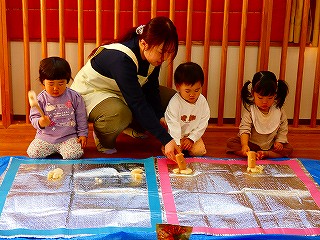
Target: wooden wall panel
146, 9
207, 23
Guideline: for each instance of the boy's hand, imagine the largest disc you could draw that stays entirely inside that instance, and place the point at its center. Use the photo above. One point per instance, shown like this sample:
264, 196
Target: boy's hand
83, 141
186, 143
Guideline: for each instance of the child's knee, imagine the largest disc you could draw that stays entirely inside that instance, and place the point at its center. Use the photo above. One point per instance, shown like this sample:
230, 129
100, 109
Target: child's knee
287, 150
70, 149
198, 152
72, 154
32, 153
233, 145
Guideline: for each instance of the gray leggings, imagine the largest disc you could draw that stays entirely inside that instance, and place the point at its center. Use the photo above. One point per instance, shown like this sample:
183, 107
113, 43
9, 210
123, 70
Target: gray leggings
111, 116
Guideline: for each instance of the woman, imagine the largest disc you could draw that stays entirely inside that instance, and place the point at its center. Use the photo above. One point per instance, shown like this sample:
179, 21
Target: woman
120, 84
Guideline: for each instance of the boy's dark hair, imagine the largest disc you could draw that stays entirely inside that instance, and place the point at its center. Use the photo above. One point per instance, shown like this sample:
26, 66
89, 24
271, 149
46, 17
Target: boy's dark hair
264, 83
54, 68
188, 73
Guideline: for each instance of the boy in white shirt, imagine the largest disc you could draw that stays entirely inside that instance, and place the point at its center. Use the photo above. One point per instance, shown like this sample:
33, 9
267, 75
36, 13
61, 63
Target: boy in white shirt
188, 111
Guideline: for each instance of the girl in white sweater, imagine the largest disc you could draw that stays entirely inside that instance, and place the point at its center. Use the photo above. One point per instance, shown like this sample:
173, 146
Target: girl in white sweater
264, 125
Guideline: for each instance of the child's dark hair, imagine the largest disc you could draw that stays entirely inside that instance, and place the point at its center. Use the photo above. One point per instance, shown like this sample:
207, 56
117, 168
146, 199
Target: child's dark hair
188, 73
54, 68
157, 31
264, 83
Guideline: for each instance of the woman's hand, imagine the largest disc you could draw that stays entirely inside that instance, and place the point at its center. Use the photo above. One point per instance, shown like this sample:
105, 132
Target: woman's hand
171, 149
163, 122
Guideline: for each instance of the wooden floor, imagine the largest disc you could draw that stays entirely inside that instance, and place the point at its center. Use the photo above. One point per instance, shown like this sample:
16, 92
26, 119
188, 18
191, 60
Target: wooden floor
15, 140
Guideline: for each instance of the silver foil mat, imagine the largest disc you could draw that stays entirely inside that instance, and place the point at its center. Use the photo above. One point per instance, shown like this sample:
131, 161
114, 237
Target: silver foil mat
104, 195
226, 196
88, 196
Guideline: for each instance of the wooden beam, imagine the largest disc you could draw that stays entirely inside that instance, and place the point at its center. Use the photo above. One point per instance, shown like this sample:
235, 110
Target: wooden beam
303, 42
153, 8
189, 31
206, 47
242, 53
263, 55
116, 15
98, 23
80, 35
285, 40
62, 44
135, 8
170, 66
26, 55
43, 13
223, 64
5, 78
315, 97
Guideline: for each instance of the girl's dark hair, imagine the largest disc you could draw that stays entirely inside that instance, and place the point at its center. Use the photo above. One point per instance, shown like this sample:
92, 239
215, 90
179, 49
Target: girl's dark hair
54, 68
188, 73
264, 83
157, 31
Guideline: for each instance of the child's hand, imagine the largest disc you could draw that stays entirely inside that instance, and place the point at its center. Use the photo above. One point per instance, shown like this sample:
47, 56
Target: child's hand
186, 143
261, 155
277, 146
44, 121
171, 149
83, 141
245, 149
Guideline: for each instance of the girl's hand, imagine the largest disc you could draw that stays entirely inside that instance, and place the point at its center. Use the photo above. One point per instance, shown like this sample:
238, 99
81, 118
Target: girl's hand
83, 141
278, 146
171, 149
44, 121
245, 149
262, 154
186, 143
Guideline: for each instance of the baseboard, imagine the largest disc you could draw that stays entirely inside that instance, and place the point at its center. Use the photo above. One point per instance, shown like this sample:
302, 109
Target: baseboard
227, 126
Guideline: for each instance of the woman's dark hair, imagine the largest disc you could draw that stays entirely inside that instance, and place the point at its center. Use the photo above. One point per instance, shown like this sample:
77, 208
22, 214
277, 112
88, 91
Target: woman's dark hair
264, 83
54, 68
188, 73
157, 31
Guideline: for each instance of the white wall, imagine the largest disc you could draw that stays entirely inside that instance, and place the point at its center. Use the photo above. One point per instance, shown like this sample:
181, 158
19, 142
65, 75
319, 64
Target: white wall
17, 72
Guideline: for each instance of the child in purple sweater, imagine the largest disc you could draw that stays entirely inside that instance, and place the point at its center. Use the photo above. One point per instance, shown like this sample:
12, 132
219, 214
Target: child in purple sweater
64, 128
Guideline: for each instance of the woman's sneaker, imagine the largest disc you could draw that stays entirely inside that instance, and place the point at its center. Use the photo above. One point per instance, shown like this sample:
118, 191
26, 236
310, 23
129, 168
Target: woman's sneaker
101, 148
133, 133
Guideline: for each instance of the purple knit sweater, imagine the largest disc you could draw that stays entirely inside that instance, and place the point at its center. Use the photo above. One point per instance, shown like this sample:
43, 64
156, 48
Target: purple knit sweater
67, 114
